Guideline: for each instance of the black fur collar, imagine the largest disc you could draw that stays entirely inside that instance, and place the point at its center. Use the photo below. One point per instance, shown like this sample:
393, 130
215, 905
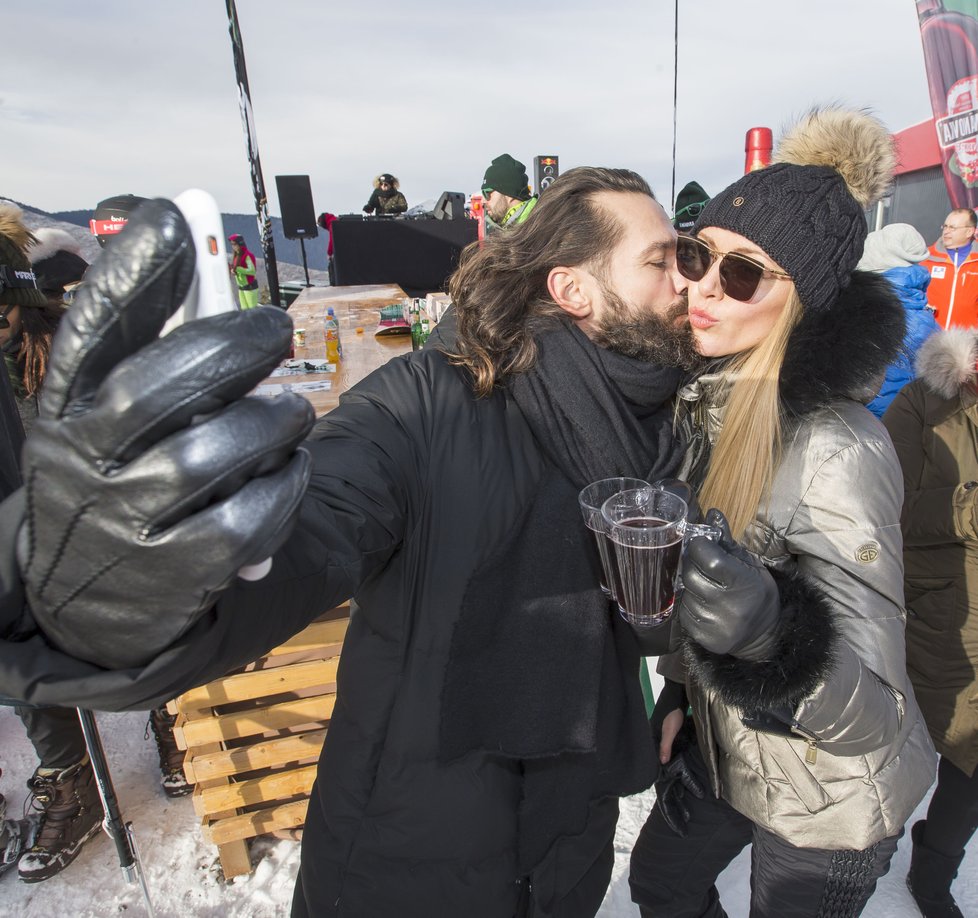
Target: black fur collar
843, 351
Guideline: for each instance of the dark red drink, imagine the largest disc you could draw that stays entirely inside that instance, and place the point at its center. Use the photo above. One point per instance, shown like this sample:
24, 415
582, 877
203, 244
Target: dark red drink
648, 572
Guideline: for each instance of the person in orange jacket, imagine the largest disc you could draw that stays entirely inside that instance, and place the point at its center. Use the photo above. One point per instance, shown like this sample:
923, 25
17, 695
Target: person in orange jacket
952, 262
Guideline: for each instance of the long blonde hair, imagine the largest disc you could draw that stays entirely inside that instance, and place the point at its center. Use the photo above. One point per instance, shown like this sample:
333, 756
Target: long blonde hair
746, 454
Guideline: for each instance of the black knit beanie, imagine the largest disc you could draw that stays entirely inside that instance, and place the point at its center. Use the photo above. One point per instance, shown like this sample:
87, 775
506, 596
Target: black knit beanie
807, 209
18, 285
507, 176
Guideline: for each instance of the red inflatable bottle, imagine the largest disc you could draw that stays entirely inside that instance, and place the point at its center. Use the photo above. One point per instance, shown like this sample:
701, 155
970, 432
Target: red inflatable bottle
950, 41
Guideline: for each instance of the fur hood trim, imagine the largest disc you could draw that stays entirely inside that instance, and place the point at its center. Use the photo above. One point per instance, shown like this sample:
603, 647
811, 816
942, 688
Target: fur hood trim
946, 361
843, 351
13, 228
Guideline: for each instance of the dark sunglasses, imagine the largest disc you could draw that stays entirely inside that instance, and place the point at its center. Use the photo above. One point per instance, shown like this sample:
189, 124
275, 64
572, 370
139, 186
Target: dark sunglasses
739, 275
486, 192
4, 321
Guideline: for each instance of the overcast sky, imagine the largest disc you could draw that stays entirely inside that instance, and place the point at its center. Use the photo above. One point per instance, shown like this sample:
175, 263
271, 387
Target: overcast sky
109, 97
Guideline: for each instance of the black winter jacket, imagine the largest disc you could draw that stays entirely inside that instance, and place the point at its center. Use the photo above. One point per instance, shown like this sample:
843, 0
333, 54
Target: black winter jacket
399, 519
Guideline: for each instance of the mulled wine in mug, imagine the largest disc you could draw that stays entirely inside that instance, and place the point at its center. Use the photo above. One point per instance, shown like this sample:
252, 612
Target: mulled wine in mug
647, 528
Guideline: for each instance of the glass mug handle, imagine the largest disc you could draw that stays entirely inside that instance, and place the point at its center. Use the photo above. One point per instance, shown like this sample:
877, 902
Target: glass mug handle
692, 531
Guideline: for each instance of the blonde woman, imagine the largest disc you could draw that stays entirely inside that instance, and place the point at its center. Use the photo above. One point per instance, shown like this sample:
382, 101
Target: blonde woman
808, 742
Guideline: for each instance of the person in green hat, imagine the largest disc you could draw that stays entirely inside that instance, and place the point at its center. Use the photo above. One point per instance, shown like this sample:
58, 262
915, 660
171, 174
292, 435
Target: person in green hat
689, 204
506, 190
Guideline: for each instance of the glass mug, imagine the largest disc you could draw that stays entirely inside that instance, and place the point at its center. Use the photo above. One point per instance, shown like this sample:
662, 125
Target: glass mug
648, 528
591, 499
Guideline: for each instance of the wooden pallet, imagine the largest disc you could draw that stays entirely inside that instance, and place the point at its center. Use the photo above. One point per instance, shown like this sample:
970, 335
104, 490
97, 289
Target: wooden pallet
253, 739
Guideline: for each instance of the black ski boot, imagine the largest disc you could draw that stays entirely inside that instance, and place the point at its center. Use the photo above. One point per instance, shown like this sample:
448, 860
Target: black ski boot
70, 814
174, 781
930, 878
16, 835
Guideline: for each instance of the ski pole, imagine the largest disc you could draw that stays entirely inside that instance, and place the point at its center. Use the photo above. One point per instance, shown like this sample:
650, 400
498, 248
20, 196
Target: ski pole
119, 831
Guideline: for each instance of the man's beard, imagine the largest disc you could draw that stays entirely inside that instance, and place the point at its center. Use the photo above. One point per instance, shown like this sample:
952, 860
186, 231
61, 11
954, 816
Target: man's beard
651, 337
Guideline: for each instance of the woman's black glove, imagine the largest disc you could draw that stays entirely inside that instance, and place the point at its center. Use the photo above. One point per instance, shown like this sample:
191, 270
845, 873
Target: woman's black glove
150, 478
730, 602
675, 779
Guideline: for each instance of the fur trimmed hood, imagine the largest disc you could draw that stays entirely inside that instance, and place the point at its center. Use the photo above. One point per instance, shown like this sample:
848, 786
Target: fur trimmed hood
843, 351
946, 361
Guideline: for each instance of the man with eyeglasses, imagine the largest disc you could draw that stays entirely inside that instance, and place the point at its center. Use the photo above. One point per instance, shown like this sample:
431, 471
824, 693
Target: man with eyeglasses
953, 265
506, 191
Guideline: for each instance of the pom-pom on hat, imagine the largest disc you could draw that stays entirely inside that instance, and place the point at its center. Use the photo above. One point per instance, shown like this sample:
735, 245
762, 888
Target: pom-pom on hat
18, 285
507, 176
806, 210
57, 260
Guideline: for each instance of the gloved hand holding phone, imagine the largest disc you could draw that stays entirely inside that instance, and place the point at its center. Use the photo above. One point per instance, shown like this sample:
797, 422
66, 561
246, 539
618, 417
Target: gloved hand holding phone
151, 477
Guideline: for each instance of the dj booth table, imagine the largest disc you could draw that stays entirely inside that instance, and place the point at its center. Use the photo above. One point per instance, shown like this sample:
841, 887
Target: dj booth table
418, 254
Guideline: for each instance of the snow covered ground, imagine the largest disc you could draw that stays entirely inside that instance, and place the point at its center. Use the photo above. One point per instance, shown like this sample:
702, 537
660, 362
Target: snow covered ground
184, 875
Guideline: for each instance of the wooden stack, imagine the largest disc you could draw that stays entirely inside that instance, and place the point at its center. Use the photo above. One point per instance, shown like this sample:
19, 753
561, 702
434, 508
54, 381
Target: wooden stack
253, 739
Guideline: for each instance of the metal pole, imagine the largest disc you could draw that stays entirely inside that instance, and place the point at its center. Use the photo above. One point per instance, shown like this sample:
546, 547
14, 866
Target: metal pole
120, 832
251, 139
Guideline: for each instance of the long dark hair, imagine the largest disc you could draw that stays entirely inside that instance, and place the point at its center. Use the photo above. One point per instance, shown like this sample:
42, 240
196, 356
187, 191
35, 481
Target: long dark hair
37, 327
500, 290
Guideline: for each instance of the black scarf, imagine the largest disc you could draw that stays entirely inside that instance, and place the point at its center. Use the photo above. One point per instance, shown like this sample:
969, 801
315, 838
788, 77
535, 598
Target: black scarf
541, 669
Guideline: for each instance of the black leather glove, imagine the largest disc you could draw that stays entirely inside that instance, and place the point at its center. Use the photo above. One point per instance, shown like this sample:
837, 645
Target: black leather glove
150, 479
730, 602
674, 781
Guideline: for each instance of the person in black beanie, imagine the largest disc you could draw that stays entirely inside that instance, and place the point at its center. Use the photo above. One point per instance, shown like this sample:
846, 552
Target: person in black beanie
506, 191
689, 205
806, 740
386, 198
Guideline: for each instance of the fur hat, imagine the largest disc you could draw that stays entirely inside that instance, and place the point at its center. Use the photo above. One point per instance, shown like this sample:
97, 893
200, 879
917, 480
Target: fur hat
389, 179
898, 245
806, 210
56, 259
18, 285
507, 176
689, 204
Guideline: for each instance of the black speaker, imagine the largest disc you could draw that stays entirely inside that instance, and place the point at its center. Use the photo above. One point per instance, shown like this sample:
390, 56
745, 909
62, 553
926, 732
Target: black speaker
545, 170
450, 206
295, 200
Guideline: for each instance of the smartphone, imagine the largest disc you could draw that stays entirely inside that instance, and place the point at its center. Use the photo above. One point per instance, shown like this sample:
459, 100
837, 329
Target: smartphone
210, 291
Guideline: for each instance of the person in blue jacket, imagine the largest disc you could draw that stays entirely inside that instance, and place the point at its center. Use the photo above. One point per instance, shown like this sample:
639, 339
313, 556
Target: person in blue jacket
895, 251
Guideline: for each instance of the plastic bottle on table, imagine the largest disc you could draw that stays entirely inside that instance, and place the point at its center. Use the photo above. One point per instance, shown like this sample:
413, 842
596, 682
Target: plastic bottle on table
331, 335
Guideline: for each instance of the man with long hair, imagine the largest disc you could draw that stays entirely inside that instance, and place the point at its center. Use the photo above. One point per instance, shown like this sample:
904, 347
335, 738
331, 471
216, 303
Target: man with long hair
489, 709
